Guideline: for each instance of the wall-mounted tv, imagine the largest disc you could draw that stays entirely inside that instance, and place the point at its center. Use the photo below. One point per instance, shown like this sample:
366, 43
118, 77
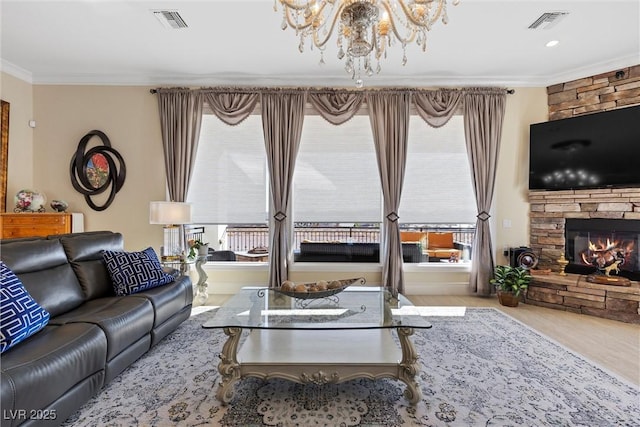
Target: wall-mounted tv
598, 150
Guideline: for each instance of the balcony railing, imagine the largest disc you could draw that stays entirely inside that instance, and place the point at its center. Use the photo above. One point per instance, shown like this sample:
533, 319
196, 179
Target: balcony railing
244, 238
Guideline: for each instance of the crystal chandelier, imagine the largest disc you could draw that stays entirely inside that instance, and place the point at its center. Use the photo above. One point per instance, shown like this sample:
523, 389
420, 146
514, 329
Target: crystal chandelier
365, 28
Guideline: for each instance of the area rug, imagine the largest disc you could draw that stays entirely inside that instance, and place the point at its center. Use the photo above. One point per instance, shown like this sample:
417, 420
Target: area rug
478, 367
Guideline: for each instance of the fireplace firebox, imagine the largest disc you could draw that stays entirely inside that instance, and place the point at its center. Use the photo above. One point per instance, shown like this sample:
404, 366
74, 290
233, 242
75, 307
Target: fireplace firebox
603, 245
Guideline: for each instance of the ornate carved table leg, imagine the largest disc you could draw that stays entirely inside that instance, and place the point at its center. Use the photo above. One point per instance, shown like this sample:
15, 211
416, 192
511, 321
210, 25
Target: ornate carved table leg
229, 367
202, 292
408, 366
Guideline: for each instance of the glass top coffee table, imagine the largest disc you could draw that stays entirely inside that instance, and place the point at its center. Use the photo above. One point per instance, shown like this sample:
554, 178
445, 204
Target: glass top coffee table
318, 341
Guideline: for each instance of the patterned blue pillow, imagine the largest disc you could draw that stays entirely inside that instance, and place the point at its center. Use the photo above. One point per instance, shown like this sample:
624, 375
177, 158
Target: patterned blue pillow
133, 272
20, 314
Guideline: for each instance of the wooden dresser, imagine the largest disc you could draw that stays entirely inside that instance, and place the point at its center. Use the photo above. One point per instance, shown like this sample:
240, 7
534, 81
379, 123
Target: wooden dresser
14, 225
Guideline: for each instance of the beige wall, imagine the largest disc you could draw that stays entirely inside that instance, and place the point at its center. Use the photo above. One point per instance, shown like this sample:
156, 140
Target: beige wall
129, 116
19, 94
511, 198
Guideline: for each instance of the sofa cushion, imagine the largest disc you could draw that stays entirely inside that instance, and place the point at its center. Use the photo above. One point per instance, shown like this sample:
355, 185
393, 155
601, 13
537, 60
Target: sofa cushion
440, 240
421, 237
84, 251
169, 300
21, 315
39, 263
134, 272
42, 369
124, 320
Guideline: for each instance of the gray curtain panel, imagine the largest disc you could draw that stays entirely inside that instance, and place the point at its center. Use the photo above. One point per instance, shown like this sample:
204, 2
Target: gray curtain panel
282, 120
483, 118
180, 119
389, 116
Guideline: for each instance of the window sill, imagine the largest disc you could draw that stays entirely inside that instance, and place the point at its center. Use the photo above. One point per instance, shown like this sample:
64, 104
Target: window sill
337, 266
437, 266
342, 266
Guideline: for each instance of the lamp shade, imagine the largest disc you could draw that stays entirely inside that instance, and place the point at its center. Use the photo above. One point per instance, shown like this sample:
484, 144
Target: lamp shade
169, 213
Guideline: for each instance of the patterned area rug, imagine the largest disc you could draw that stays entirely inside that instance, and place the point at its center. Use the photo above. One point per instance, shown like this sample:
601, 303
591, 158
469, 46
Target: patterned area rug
479, 367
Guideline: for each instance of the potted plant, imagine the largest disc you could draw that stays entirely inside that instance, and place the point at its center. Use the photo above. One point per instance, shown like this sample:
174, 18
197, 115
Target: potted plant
510, 282
198, 247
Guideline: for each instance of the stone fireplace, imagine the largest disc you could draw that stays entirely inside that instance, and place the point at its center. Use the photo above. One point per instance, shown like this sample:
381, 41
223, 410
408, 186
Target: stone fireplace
565, 222
549, 211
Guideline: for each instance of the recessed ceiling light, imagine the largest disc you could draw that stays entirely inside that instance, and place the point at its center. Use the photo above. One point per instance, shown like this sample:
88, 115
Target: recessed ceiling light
552, 43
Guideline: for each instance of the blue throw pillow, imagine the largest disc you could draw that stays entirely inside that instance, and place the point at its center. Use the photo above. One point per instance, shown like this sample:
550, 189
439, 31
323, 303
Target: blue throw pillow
20, 314
133, 272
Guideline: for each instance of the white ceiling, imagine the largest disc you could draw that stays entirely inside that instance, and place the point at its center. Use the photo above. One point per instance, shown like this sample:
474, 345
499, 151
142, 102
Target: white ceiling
240, 42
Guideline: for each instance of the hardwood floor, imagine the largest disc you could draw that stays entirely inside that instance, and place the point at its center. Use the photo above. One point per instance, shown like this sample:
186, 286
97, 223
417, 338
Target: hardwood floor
612, 345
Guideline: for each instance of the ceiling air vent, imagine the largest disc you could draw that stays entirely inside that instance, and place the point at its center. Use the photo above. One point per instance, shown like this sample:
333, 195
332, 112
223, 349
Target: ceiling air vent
170, 19
548, 20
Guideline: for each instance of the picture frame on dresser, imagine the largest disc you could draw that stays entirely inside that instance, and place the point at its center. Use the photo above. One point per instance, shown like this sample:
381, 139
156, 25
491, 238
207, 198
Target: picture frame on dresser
4, 153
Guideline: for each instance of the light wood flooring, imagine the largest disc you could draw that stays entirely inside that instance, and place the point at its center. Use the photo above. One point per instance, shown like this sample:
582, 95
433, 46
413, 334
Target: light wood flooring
612, 345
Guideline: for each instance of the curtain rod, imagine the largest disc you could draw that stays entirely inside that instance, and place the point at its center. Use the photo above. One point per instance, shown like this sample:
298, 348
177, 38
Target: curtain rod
509, 91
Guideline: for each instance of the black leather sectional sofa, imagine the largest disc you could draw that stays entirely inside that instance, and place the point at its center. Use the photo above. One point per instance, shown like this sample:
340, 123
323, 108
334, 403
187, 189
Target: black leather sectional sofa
92, 335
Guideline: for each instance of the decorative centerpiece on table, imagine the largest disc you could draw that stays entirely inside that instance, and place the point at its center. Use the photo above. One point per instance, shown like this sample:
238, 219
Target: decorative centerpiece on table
197, 248
319, 289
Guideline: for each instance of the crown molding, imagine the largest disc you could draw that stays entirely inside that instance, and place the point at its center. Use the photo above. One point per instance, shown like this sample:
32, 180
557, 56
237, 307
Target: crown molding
16, 71
236, 79
595, 69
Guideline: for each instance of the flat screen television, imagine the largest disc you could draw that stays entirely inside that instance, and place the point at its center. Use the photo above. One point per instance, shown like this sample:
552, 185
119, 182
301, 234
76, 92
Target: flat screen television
599, 150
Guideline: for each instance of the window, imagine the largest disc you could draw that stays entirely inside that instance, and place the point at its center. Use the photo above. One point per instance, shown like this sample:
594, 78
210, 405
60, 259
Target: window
336, 178
437, 185
437, 195
336, 193
229, 182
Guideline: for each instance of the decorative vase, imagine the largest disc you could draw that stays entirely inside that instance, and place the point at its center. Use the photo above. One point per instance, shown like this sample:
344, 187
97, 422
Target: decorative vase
203, 250
30, 201
508, 299
562, 261
59, 205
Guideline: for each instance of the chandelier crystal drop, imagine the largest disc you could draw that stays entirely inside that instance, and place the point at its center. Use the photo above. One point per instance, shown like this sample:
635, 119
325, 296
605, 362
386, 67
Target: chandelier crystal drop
364, 29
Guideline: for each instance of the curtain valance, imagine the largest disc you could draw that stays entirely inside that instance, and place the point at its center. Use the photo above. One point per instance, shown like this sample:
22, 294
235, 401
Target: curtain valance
336, 105
231, 107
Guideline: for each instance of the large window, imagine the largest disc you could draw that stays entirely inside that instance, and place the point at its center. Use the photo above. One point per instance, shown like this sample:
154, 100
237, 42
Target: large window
437, 185
336, 194
229, 182
336, 178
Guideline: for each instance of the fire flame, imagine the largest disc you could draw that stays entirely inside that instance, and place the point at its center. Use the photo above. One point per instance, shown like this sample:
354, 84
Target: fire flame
601, 255
610, 245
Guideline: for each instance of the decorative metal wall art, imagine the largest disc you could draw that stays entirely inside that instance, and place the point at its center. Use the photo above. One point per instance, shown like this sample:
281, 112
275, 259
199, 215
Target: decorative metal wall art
96, 170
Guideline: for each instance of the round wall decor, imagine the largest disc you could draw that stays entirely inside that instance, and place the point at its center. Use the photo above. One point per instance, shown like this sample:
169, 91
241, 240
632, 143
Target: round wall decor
96, 170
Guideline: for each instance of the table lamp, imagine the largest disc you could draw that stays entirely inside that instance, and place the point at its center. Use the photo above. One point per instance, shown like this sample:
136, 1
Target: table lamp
172, 215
